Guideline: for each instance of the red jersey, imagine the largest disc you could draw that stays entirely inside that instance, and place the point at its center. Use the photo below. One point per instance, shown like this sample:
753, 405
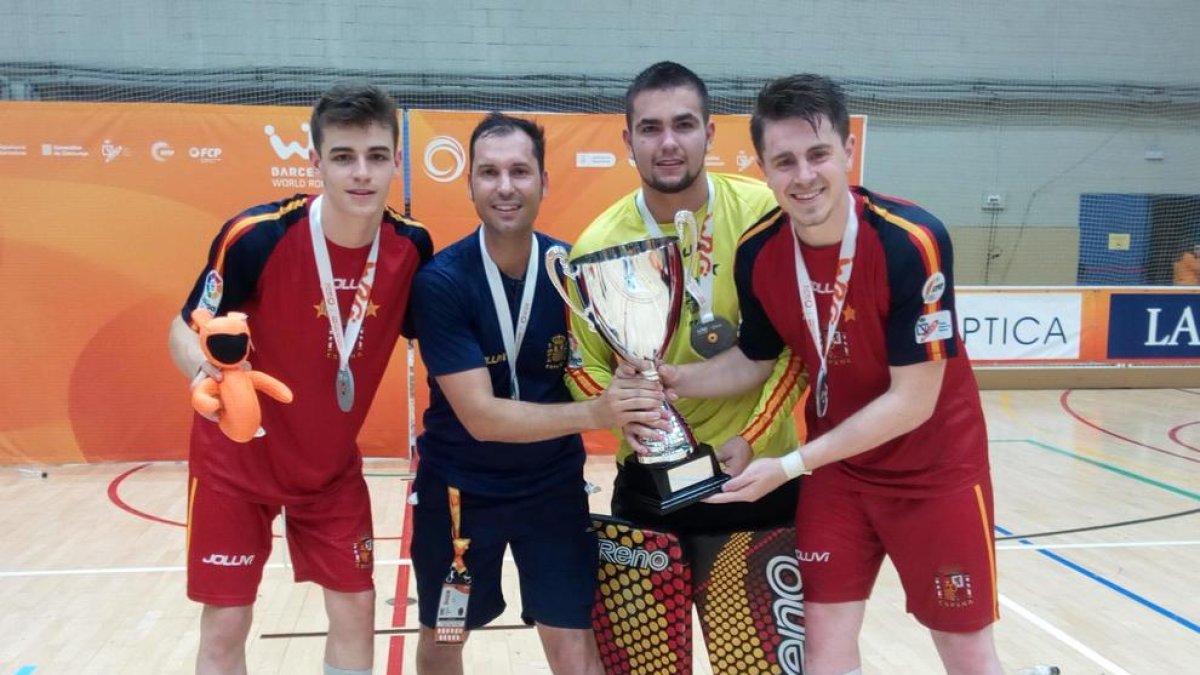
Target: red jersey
262, 263
899, 311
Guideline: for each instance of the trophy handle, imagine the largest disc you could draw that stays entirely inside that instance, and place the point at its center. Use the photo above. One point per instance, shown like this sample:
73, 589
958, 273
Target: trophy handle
556, 256
685, 223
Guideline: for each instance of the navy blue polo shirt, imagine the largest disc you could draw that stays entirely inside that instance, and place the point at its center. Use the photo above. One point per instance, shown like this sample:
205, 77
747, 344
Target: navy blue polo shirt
456, 325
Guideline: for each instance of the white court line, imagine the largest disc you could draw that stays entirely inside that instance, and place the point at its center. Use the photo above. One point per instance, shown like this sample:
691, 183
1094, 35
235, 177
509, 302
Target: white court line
508, 556
1108, 667
1114, 544
152, 570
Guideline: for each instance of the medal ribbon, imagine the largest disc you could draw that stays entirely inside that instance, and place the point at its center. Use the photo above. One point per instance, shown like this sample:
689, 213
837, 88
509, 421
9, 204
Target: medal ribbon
808, 300
461, 544
345, 339
699, 286
512, 336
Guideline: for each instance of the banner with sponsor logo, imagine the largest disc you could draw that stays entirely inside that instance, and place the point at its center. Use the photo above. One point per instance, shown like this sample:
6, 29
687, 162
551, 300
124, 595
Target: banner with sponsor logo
586, 159
1096, 326
1154, 326
109, 213
1000, 326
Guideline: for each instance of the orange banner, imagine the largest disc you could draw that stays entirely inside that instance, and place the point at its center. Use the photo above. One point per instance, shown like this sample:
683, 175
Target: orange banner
110, 209
588, 165
109, 212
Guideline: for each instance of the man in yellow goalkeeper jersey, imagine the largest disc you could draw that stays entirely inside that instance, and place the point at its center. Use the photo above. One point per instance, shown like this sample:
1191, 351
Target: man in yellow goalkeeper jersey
668, 130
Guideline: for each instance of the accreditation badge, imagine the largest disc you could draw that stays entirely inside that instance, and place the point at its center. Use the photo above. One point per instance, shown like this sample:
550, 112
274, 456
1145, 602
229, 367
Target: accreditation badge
451, 625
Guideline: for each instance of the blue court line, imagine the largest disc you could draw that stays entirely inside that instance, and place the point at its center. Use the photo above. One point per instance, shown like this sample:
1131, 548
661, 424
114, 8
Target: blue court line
1110, 584
26, 670
1083, 570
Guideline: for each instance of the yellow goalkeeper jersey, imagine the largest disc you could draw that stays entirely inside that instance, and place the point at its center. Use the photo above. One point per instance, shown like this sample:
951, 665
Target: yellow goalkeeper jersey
763, 417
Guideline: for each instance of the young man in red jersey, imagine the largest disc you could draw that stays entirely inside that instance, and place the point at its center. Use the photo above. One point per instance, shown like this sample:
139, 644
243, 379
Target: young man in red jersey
325, 280
860, 285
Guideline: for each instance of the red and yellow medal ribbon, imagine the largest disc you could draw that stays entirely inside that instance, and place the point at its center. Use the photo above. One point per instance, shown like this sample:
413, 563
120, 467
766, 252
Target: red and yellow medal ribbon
461, 544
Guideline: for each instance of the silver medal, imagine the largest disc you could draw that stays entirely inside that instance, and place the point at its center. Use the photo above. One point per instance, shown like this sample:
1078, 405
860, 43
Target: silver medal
712, 337
821, 391
345, 389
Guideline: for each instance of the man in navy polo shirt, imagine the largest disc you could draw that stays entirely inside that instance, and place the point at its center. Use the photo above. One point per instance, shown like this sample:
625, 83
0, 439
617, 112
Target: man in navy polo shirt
501, 458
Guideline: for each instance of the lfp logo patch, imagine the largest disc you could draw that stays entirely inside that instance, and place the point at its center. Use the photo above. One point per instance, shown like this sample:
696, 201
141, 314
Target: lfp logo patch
934, 327
214, 286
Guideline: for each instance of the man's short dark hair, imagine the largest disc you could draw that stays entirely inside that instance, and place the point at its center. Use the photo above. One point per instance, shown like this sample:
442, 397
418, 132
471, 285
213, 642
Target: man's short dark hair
499, 124
809, 97
665, 75
353, 105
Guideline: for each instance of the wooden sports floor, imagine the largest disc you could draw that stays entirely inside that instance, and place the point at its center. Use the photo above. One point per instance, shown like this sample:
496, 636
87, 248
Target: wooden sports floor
92, 580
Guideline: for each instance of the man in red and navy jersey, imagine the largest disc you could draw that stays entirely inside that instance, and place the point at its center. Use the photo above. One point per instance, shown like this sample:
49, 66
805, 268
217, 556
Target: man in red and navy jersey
325, 280
861, 286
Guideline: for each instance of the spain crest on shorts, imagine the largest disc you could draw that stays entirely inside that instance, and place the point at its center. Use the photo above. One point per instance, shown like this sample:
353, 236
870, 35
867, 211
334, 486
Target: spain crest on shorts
364, 552
953, 588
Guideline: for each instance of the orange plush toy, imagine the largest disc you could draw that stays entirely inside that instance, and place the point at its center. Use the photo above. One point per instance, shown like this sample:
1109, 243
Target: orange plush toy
226, 344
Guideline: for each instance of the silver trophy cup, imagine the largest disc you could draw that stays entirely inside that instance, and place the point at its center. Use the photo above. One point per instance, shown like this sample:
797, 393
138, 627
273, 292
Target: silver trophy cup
631, 294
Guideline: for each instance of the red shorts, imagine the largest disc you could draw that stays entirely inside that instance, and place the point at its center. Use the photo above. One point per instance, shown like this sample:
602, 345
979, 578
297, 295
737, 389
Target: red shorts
943, 549
330, 542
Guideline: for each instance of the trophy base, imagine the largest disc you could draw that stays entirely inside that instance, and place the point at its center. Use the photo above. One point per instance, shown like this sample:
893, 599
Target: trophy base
664, 488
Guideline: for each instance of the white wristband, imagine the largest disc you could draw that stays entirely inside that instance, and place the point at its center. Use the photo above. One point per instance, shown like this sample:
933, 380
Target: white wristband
793, 464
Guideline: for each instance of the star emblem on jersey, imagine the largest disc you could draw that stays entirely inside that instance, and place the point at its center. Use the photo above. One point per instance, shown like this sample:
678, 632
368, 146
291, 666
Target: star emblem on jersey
849, 313
372, 309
